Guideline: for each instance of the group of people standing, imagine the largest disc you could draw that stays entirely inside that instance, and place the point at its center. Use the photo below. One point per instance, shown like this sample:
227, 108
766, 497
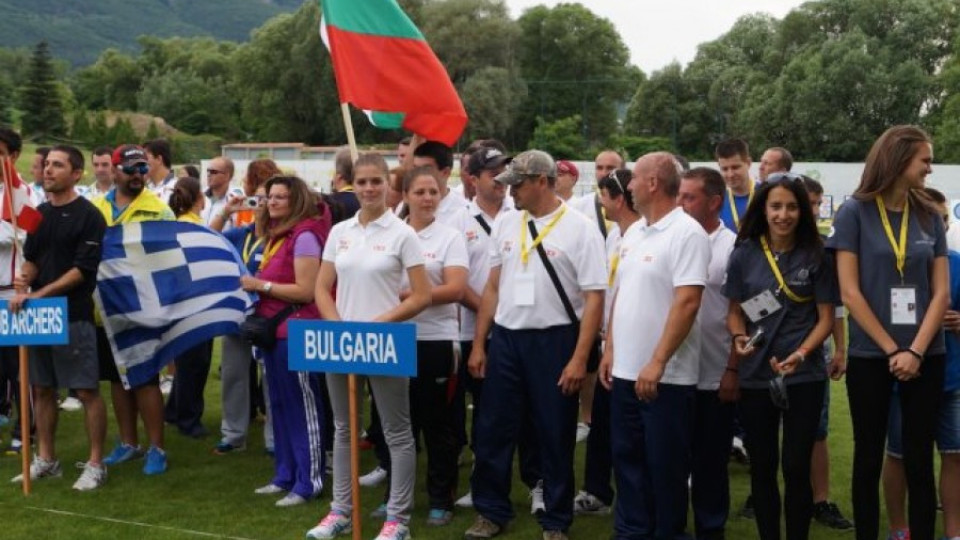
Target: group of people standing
687, 303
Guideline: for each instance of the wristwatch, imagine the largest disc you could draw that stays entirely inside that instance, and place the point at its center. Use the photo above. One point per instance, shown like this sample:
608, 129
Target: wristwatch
266, 286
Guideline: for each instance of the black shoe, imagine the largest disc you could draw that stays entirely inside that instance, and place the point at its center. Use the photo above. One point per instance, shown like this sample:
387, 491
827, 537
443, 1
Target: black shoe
746, 511
829, 515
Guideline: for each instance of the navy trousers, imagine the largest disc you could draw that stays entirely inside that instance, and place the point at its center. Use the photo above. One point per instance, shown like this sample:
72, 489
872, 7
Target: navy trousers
651, 456
185, 404
710, 486
523, 367
598, 466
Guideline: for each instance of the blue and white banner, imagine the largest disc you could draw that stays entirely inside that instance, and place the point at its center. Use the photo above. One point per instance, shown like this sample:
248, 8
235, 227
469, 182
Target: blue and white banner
361, 348
41, 321
164, 287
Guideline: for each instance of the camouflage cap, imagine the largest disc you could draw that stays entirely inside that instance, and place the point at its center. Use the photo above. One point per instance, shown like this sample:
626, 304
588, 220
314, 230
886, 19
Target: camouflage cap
527, 164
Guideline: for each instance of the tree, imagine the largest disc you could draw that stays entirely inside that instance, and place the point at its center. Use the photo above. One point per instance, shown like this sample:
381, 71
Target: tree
99, 131
6, 98
561, 139
121, 132
574, 63
470, 35
113, 82
492, 97
40, 97
153, 132
189, 102
80, 129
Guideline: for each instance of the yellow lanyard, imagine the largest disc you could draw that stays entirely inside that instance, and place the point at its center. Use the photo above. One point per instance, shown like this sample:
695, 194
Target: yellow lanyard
249, 248
776, 273
614, 263
524, 252
899, 250
733, 204
270, 252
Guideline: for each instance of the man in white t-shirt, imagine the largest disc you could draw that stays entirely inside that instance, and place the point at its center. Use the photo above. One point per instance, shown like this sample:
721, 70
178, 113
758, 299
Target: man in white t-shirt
542, 329
701, 195
653, 353
160, 176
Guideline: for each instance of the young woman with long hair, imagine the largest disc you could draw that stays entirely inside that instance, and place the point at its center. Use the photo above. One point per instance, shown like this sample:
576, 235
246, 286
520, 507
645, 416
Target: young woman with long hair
892, 268
780, 283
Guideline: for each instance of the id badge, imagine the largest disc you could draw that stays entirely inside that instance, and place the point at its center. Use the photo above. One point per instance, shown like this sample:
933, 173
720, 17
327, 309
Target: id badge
903, 305
523, 289
761, 306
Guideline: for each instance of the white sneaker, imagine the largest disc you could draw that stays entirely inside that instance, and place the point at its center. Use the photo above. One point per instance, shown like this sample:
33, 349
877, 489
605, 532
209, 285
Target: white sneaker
71, 404
331, 526
374, 477
589, 504
269, 489
41, 468
92, 477
292, 499
394, 530
583, 431
536, 499
166, 384
466, 501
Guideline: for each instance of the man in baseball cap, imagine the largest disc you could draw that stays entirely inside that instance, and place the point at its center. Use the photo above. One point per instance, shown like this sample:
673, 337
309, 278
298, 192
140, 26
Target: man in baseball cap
567, 176
544, 368
129, 202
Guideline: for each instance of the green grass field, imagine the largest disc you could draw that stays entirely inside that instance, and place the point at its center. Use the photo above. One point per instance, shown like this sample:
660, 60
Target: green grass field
203, 495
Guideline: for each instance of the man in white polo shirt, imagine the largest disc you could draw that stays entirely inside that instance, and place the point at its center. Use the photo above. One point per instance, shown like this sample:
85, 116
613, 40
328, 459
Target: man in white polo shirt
653, 353
542, 329
701, 196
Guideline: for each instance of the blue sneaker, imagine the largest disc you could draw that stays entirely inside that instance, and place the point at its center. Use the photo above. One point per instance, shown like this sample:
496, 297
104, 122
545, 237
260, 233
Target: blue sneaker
156, 462
122, 452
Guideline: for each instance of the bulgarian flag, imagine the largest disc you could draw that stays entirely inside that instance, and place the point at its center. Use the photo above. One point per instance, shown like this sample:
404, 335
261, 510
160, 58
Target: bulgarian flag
384, 66
17, 204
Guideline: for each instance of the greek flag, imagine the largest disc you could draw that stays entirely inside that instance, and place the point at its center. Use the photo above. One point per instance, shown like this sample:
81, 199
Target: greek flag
164, 287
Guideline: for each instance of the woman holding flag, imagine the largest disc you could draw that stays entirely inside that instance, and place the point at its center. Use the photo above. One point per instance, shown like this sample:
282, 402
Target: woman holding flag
294, 229
366, 258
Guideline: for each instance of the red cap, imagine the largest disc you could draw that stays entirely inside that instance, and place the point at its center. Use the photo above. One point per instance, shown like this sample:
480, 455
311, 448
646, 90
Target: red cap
567, 167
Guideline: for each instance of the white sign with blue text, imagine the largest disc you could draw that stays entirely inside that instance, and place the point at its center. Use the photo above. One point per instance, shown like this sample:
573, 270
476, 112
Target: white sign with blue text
41, 321
360, 348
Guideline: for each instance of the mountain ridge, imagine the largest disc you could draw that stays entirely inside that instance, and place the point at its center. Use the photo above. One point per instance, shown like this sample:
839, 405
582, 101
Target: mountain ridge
79, 30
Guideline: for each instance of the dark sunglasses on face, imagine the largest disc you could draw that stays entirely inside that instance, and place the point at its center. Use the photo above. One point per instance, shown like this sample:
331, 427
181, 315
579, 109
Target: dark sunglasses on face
141, 168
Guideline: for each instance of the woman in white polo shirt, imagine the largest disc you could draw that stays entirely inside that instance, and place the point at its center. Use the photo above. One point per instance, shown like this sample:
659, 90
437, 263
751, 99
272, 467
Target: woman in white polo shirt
431, 392
366, 257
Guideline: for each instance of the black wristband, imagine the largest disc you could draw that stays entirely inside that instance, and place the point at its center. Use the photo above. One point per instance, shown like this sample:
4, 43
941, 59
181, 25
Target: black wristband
914, 353
732, 370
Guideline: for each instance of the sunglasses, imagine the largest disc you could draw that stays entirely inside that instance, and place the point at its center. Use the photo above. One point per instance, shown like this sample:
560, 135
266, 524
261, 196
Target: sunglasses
141, 168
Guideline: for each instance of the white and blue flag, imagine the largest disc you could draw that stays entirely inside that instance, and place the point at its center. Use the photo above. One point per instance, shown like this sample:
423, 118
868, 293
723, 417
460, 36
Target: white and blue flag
164, 287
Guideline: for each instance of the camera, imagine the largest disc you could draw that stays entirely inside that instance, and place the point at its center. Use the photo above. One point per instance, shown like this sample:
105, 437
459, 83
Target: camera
251, 202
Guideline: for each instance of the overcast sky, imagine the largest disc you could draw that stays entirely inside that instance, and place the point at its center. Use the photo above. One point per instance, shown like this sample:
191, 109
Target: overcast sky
659, 32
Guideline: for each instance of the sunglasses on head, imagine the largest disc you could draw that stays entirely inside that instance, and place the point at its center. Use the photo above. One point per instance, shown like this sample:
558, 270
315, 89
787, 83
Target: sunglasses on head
141, 168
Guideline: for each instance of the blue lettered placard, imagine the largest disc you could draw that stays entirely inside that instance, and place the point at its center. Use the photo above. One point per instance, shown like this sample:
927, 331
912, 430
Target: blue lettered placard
386, 349
41, 321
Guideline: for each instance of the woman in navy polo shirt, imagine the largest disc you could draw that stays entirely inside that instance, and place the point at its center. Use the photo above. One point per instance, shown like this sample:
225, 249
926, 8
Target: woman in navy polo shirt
779, 281
893, 272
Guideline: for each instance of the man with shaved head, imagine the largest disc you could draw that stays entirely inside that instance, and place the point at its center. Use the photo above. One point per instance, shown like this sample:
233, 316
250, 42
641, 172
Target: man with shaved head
652, 355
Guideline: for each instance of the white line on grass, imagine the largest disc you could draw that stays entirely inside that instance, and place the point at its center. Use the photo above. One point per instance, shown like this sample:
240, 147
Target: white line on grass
134, 523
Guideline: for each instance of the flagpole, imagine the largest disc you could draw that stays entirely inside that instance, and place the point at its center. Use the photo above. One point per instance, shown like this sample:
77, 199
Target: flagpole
22, 350
351, 378
348, 125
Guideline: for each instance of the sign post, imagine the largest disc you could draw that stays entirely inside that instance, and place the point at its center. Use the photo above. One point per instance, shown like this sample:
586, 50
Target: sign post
353, 348
41, 321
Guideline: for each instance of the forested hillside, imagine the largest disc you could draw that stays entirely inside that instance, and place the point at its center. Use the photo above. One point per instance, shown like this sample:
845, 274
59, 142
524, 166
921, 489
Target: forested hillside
79, 30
